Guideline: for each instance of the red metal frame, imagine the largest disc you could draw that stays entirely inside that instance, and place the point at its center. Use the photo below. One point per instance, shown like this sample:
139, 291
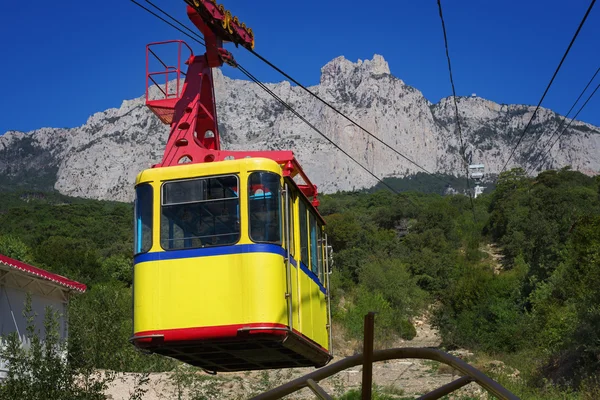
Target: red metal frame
215, 20
168, 69
191, 112
164, 106
228, 348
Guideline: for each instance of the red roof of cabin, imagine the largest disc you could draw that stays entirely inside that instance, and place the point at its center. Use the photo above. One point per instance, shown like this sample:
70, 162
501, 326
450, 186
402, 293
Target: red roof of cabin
31, 270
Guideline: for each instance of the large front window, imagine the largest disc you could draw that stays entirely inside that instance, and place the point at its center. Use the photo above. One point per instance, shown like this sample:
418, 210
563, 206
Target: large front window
143, 218
264, 207
200, 212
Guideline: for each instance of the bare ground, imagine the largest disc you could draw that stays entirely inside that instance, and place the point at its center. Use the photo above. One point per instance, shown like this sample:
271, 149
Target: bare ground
402, 378
495, 257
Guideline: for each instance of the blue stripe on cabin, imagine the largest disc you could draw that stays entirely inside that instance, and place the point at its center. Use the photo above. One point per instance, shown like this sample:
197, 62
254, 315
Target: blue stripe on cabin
226, 250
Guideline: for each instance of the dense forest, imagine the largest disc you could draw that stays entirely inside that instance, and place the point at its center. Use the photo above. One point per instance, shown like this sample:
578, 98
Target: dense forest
514, 275
430, 183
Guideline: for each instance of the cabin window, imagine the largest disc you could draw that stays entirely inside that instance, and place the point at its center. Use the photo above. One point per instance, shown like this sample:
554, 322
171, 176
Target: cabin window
303, 233
200, 212
264, 207
313, 245
320, 253
143, 218
291, 226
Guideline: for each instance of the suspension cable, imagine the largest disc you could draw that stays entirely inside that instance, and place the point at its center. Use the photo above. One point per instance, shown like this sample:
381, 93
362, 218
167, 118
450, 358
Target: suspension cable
462, 146
567, 127
549, 84
352, 121
263, 86
308, 91
293, 111
167, 22
558, 129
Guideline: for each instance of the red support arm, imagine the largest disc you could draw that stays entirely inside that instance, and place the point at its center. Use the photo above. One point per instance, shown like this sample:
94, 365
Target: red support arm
192, 113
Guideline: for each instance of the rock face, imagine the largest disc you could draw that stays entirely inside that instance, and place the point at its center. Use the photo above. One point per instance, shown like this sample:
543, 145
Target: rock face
101, 158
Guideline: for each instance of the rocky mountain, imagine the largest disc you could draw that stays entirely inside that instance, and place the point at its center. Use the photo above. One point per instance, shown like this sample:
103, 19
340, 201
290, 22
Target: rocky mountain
101, 158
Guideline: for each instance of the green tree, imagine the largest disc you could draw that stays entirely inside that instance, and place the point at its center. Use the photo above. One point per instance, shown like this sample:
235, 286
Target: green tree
40, 371
101, 324
119, 268
14, 248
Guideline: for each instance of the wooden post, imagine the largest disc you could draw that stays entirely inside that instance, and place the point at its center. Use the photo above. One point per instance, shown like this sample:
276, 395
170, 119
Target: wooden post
367, 373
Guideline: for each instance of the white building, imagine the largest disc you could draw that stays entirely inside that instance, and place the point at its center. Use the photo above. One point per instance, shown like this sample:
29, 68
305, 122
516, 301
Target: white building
477, 173
46, 289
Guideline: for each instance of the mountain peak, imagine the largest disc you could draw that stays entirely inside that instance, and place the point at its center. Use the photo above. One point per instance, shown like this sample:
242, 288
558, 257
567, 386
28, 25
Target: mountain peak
341, 67
377, 65
102, 158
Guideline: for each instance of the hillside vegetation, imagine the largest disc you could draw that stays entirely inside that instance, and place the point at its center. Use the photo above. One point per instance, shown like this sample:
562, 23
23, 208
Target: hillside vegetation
516, 277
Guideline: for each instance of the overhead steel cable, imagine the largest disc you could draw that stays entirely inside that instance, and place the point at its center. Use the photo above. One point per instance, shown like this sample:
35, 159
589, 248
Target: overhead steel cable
297, 114
353, 122
292, 110
167, 22
312, 94
274, 95
462, 146
549, 84
558, 129
568, 126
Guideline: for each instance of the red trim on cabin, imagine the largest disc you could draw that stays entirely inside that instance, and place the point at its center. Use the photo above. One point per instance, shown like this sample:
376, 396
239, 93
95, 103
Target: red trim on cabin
217, 332
210, 332
31, 270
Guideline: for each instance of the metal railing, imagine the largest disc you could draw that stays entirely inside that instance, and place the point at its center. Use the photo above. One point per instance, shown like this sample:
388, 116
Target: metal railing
168, 72
470, 373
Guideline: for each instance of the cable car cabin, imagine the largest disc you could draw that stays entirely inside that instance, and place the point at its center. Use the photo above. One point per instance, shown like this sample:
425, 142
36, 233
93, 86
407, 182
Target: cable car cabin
230, 271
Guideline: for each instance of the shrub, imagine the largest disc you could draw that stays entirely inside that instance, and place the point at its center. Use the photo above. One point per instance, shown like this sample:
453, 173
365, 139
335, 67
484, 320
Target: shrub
14, 248
40, 371
100, 326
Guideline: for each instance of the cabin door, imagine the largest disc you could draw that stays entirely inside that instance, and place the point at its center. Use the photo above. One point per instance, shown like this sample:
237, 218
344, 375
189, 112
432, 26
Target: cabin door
291, 270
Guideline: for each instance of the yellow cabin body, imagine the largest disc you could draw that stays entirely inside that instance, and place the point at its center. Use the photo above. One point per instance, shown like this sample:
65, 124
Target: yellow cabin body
230, 270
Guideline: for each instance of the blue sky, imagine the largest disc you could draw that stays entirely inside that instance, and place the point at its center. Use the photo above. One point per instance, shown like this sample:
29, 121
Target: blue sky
63, 60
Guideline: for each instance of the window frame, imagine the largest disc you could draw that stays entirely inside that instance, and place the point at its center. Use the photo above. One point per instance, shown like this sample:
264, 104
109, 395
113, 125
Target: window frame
238, 198
281, 210
306, 234
136, 233
195, 179
291, 229
320, 252
314, 245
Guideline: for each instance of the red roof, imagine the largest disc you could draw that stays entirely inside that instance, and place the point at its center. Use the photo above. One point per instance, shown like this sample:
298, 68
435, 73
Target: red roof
31, 270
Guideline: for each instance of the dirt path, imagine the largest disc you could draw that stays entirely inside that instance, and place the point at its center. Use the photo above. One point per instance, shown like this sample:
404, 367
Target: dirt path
495, 256
402, 378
